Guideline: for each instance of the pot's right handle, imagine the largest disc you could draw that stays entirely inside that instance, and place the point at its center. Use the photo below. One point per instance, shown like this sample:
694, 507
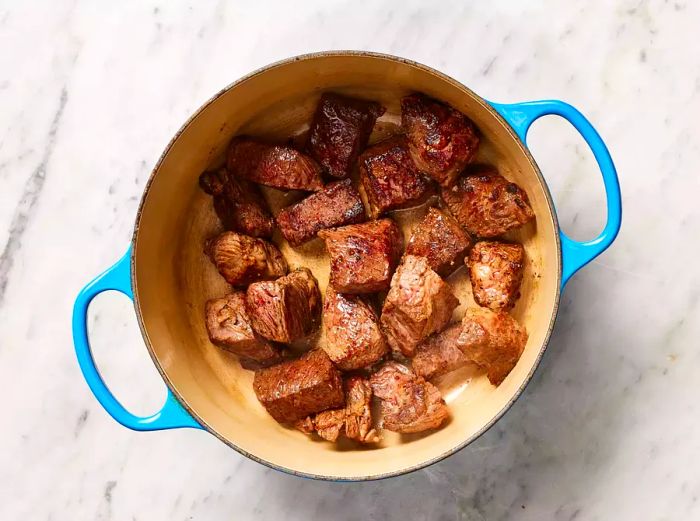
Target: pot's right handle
575, 254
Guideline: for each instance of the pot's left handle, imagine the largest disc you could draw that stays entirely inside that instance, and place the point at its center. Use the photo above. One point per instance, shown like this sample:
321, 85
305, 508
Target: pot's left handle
171, 415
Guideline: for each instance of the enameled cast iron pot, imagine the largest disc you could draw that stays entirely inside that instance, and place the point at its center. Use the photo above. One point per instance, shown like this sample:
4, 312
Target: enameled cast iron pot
168, 278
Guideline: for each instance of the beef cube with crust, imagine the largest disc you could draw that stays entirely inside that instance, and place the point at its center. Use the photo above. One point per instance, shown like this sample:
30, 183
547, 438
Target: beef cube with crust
352, 336
441, 240
441, 139
241, 259
277, 166
439, 353
390, 178
337, 204
328, 424
229, 327
418, 304
340, 130
292, 390
285, 309
486, 204
363, 256
407, 402
496, 271
493, 340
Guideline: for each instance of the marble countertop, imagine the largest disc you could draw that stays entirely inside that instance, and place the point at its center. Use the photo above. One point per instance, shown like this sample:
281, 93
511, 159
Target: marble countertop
89, 96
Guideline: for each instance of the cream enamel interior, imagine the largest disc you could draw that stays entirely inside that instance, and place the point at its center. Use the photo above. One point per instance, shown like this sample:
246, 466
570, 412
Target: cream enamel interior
172, 277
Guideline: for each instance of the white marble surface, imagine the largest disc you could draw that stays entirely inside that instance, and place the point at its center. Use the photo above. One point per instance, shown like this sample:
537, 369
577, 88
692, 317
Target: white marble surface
90, 92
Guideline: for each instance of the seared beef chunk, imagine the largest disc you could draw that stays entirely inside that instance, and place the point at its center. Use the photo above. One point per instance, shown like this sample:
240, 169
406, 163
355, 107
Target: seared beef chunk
340, 130
441, 240
285, 309
363, 256
439, 354
290, 391
241, 259
328, 424
496, 271
441, 139
408, 402
273, 165
213, 182
337, 204
486, 203
419, 303
390, 177
352, 336
492, 340
228, 326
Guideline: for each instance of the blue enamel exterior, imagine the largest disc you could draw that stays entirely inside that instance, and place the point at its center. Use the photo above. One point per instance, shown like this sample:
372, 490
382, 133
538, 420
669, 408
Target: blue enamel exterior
171, 415
575, 254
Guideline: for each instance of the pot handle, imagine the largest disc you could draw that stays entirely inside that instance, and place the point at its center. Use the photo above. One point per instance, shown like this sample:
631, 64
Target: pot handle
171, 415
575, 254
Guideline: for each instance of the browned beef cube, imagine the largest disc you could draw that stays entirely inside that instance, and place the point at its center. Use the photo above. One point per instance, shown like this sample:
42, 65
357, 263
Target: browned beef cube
390, 177
290, 391
340, 130
492, 340
419, 303
408, 403
439, 354
273, 165
352, 336
242, 259
441, 240
441, 139
337, 204
328, 424
496, 271
486, 203
228, 326
363, 256
285, 309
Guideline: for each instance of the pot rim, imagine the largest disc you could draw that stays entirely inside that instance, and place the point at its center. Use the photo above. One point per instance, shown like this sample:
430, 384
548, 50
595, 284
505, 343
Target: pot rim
523, 149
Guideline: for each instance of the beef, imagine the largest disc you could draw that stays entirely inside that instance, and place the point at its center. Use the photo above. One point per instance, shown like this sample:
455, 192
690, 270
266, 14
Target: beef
390, 178
363, 256
441, 240
277, 166
228, 326
486, 203
352, 336
292, 390
441, 139
241, 259
408, 403
492, 340
418, 304
439, 354
496, 271
285, 309
340, 130
337, 204
328, 424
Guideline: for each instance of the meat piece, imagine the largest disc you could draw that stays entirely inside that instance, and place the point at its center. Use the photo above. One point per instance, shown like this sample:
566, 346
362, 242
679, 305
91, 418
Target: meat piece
408, 403
352, 336
492, 340
238, 204
363, 256
337, 204
305, 425
496, 271
328, 424
285, 309
441, 139
340, 130
242, 259
390, 177
228, 326
273, 165
439, 354
419, 303
486, 203
290, 391
441, 240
